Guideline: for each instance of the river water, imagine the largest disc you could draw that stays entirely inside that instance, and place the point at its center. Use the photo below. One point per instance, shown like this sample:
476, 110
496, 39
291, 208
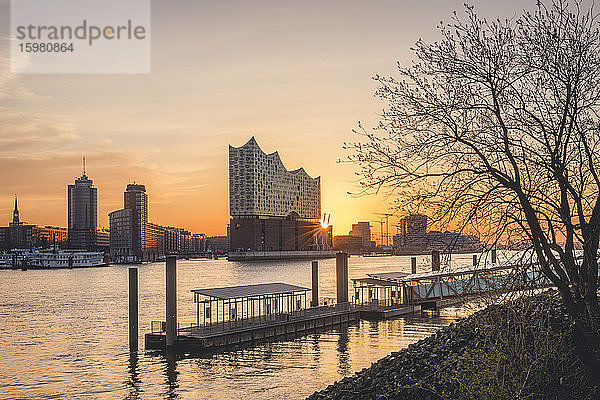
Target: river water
63, 334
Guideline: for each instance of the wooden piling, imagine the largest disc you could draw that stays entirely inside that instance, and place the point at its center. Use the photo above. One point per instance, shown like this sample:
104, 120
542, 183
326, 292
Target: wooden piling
133, 309
314, 302
341, 277
435, 260
171, 307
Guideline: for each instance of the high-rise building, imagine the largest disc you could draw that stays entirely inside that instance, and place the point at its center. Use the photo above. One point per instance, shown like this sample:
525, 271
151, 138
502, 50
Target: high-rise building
82, 213
272, 209
362, 230
412, 231
136, 200
121, 236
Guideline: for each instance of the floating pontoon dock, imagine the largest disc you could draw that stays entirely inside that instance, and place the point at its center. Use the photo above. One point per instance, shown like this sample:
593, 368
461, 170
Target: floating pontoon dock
243, 314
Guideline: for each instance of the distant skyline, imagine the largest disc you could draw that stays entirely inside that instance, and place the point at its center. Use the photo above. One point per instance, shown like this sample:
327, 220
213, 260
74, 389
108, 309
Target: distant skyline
296, 75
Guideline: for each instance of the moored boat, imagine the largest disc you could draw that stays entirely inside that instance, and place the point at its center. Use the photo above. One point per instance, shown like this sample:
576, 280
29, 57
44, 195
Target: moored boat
24, 259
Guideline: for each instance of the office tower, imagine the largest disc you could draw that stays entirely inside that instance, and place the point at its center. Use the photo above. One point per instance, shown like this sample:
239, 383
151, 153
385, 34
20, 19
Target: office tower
82, 213
136, 200
412, 230
362, 230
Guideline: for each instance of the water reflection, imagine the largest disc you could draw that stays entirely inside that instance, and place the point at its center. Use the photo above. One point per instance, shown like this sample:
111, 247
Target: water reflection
344, 367
316, 350
64, 335
171, 375
134, 381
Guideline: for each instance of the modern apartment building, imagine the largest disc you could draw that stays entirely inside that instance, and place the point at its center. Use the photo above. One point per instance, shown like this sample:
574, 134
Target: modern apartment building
135, 199
121, 236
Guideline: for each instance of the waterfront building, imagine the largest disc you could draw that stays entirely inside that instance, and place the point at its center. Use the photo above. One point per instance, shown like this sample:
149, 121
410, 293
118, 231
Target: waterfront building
134, 239
135, 199
272, 208
362, 230
154, 243
82, 213
103, 239
172, 240
412, 231
217, 244
17, 235
49, 236
414, 238
348, 243
121, 236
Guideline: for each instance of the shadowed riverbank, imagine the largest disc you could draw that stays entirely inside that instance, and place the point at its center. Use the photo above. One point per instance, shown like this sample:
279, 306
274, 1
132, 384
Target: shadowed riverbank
520, 349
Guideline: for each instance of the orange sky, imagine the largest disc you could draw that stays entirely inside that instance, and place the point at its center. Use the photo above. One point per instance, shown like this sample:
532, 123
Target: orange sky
294, 74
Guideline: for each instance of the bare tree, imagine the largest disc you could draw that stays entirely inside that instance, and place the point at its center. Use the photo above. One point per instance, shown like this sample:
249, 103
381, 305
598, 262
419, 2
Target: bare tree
496, 126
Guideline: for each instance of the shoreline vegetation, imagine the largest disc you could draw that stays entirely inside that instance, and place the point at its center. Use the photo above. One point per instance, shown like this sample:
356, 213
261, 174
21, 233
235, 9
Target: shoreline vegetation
520, 349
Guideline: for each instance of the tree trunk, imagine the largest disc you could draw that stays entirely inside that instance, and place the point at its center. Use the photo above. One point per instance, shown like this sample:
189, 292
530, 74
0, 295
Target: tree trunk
587, 347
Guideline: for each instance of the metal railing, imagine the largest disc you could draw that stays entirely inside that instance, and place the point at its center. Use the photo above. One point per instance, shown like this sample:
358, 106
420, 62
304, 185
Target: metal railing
259, 321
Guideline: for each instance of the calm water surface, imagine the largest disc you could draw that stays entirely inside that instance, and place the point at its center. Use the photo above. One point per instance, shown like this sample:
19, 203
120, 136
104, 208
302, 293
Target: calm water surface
63, 334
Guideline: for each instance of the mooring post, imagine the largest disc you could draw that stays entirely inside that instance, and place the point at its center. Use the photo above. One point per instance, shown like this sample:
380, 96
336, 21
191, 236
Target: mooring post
346, 258
171, 317
435, 260
413, 265
474, 260
341, 277
314, 302
133, 309
494, 256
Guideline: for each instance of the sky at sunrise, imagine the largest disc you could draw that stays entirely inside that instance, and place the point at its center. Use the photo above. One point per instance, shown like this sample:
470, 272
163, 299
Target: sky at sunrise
294, 74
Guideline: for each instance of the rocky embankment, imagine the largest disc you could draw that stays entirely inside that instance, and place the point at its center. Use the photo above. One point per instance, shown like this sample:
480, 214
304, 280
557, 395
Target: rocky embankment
478, 357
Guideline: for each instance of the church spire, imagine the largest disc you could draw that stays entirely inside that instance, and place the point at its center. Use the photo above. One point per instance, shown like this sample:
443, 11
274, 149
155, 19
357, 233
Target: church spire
16, 212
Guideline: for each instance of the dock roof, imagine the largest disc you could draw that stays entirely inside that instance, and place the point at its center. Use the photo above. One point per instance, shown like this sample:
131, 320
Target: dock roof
374, 281
406, 277
262, 289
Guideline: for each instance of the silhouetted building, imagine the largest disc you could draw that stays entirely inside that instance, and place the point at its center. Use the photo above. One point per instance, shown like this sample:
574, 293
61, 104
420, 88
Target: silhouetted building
451, 241
414, 238
412, 231
82, 213
50, 236
17, 235
121, 236
154, 244
272, 209
103, 239
136, 200
134, 239
348, 242
362, 230
217, 244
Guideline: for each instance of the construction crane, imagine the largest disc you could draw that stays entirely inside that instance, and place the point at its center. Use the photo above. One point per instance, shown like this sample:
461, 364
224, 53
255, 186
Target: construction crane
380, 229
387, 226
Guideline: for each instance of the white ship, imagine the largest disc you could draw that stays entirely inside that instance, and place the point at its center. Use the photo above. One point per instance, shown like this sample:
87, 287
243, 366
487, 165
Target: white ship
51, 259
